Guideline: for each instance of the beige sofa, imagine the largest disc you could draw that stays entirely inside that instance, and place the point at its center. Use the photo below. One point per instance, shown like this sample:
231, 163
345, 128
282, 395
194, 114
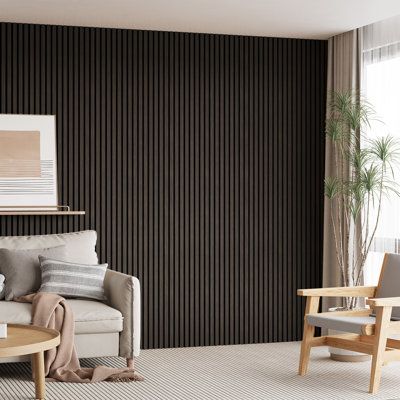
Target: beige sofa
101, 329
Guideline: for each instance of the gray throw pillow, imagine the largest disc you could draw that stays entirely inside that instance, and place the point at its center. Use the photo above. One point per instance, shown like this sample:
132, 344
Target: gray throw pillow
21, 269
72, 279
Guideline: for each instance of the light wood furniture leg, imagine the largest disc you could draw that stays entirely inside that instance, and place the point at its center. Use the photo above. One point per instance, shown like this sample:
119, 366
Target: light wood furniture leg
383, 315
130, 363
308, 334
38, 368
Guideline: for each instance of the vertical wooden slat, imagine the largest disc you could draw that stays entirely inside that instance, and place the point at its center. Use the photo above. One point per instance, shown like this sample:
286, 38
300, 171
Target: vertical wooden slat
199, 160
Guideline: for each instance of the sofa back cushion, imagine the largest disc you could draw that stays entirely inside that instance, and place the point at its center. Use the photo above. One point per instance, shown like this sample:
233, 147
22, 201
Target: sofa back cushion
80, 246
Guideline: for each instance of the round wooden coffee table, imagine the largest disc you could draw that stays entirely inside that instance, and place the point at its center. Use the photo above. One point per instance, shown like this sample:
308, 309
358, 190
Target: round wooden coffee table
28, 339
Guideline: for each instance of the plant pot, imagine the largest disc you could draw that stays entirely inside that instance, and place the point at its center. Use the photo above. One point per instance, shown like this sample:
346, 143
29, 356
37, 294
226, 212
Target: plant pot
345, 355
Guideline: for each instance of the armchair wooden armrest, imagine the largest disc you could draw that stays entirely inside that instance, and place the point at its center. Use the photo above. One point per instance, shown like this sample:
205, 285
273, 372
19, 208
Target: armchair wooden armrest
354, 291
384, 302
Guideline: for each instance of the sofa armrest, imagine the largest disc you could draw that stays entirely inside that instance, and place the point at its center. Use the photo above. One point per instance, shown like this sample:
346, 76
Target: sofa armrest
123, 293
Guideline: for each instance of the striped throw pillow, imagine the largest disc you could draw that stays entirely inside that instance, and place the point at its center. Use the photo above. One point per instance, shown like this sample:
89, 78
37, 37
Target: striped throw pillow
71, 279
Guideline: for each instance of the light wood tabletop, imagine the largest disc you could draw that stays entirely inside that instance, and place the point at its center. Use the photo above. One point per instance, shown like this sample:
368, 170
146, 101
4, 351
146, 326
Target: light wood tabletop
30, 339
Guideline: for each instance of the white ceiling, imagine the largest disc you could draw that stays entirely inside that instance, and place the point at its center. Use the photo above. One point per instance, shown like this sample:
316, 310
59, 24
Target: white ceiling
313, 19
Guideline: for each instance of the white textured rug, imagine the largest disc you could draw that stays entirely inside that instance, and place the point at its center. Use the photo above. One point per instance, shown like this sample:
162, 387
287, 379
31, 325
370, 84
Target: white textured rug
259, 371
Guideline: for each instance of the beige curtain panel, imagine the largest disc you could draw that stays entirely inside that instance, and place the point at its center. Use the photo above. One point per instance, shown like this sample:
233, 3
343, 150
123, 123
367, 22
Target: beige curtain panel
344, 74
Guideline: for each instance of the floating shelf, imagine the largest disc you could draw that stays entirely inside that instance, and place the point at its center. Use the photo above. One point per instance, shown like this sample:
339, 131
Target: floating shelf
38, 210
34, 212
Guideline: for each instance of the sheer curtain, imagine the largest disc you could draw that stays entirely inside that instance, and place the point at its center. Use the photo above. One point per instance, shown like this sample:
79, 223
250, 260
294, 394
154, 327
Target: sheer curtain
381, 86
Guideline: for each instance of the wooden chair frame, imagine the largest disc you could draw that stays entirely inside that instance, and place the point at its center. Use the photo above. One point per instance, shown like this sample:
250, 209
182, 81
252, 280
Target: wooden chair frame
374, 338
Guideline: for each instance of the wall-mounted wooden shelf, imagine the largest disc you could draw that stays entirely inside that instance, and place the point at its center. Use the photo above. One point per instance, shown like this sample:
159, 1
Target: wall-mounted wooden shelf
39, 210
35, 212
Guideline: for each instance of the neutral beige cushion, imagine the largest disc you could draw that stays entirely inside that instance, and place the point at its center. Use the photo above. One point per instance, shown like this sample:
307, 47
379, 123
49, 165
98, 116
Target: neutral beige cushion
343, 324
80, 246
90, 316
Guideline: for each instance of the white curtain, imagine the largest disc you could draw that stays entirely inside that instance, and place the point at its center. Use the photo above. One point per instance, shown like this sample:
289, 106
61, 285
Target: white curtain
381, 86
381, 39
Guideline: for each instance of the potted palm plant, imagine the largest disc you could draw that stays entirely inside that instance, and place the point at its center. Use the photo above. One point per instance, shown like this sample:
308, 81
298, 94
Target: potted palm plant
363, 175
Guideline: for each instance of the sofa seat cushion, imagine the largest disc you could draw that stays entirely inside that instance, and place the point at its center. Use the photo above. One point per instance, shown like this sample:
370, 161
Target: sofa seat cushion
95, 317
90, 316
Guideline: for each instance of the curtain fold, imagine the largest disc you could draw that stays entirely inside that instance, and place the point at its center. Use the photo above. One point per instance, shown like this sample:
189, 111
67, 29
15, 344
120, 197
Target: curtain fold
344, 74
381, 34
381, 40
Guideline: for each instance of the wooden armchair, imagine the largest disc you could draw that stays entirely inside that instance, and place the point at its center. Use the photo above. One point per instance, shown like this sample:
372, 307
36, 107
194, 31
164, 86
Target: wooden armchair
368, 330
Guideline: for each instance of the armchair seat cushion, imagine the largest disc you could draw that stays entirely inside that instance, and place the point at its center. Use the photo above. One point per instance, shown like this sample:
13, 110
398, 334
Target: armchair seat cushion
350, 324
90, 316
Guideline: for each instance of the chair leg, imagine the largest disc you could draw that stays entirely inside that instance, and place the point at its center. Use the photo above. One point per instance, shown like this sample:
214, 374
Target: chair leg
383, 315
308, 334
130, 363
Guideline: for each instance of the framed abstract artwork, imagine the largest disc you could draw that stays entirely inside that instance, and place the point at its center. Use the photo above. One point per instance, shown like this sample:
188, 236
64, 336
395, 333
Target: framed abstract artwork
28, 164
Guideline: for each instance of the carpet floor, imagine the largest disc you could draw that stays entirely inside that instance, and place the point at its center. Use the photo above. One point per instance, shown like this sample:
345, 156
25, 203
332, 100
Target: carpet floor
257, 371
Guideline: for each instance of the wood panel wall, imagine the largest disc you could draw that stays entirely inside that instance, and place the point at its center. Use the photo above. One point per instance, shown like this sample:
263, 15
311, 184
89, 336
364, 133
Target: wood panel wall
199, 160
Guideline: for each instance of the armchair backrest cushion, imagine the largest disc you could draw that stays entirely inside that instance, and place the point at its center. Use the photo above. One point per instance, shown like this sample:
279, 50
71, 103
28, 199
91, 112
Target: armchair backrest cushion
389, 281
80, 246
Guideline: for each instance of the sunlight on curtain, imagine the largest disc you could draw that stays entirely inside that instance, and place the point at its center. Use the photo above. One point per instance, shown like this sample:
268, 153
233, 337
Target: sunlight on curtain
381, 86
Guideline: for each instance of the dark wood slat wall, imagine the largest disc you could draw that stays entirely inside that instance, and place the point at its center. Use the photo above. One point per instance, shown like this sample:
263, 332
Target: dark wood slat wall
199, 160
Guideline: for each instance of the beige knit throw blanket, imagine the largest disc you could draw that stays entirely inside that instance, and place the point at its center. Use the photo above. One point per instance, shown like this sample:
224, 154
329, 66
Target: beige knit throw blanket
61, 363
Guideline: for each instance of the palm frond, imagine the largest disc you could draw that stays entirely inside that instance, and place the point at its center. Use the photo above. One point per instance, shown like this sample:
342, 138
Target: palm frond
385, 149
370, 178
334, 129
352, 109
359, 159
333, 187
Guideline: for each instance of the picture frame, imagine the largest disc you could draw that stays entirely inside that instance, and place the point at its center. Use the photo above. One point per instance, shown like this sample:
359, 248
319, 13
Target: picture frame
28, 162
